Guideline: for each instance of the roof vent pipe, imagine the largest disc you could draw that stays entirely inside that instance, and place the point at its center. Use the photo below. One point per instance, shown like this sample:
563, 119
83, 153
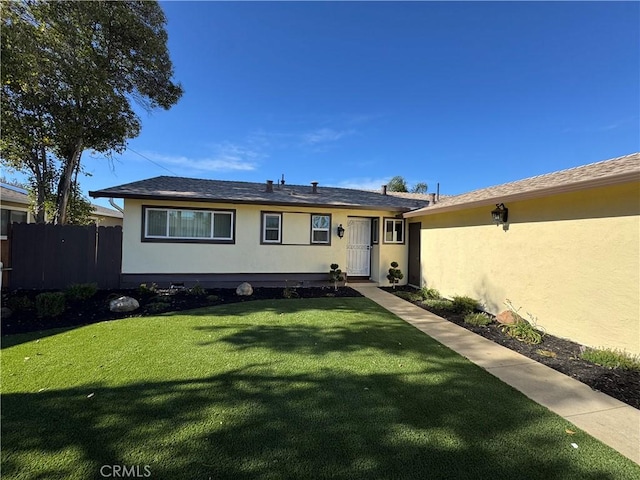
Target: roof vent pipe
314, 187
269, 186
384, 189
432, 199
438, 194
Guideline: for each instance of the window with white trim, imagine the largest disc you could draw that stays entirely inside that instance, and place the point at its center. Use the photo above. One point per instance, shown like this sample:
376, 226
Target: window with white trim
393, 230
320, 228
182, 224
12, 216
271, 228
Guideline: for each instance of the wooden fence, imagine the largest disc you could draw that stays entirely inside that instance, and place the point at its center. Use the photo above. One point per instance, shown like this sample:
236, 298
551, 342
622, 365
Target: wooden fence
45, 256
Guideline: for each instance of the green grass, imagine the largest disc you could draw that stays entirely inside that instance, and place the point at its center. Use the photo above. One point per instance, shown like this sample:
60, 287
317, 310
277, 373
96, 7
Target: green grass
283, 389
612, 358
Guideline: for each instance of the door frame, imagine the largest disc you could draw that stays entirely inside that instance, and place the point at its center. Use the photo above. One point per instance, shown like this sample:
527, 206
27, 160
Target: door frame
369, 247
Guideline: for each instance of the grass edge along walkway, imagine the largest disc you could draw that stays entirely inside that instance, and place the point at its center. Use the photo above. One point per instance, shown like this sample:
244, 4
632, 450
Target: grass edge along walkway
609, 420
300, 388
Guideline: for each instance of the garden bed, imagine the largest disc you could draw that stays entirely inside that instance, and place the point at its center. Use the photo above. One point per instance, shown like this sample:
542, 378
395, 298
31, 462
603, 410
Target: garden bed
558, 353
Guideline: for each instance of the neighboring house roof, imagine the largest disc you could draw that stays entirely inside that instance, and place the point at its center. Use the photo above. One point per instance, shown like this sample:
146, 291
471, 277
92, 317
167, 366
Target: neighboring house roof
222, 191
14, 195
609, 172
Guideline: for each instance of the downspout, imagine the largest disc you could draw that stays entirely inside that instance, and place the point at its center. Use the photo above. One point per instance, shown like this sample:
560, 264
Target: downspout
116, 206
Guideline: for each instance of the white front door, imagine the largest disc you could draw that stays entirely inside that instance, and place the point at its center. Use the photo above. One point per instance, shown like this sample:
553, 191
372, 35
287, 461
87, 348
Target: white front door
358, 247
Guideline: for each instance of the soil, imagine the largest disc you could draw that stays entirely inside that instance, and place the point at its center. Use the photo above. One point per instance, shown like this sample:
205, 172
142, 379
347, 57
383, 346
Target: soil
558, 353
621, 384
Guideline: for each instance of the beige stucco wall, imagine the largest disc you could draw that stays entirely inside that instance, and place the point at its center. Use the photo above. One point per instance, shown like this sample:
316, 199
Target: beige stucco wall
247, 255
572, 260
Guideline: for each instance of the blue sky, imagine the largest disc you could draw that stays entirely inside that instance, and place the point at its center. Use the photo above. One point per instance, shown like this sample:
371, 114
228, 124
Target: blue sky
350, 94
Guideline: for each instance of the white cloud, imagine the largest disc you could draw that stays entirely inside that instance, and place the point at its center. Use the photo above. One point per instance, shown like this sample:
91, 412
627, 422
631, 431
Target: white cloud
324, 135
229, 157
366, 183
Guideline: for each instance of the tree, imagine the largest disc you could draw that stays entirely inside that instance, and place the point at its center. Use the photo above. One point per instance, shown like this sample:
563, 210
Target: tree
70, 73
399, 184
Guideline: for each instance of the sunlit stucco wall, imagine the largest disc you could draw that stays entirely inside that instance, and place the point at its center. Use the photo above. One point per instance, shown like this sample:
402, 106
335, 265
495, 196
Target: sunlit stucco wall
572, 260
248, 255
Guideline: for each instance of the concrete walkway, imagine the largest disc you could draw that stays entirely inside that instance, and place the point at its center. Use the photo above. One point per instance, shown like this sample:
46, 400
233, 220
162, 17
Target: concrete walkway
612, 422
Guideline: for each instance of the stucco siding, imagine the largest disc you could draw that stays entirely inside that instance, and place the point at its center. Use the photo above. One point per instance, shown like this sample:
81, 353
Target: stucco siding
247, 254
572, 260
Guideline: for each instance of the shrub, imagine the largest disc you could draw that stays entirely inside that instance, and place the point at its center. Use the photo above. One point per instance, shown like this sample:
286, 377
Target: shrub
612, 358
158, 307
50, 304
212, 298
335, 275
439, 304
409, 296
523, 331
197, 290
145, 289
477, 319
428, 293
20, 303
395, 274
77, 292
465, 304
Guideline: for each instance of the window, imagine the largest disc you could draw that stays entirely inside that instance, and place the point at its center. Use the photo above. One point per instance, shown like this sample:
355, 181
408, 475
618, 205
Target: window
375, 230
393, 230
271, 227
11, 216
189, 225
320, 228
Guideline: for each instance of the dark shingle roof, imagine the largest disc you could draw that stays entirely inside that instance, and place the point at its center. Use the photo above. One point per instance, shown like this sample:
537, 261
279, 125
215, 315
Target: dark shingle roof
222, 191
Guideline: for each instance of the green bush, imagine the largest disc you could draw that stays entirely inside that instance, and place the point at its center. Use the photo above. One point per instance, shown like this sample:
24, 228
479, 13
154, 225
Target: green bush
439, 304
145, 289
80, 291
409, 296
395, 274
50, 304
523, 331
480, 318
612, 358
20, 303
213, 298
335, 275
429, 293
197, 290
465, 304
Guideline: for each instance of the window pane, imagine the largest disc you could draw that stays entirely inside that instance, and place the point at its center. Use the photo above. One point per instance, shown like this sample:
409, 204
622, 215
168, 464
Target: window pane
157, 223
272, 221
18, 217
321, 236
222, 225
5, 221
321, 221
200, 225
271, 235
398, 227
388, 230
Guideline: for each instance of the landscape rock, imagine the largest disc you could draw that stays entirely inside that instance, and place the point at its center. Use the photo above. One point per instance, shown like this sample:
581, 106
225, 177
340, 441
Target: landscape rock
124, 304
244, 290
507, 317
6, 312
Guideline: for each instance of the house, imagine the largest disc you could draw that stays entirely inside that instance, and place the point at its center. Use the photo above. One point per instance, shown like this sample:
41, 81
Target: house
566, 247
221, 233
569, 252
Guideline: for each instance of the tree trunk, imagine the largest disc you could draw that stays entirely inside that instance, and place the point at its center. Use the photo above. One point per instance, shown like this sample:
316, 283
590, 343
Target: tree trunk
64, 186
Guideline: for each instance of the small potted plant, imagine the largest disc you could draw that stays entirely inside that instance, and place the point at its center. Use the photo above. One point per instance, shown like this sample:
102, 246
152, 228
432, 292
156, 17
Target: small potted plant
395, 274
335, 275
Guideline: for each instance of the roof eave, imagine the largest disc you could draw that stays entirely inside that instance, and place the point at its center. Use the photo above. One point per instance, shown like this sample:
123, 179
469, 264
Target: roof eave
172, 198
529, 195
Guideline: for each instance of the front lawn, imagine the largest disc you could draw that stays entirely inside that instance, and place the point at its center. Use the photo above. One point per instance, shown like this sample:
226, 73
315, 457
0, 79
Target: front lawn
300, 388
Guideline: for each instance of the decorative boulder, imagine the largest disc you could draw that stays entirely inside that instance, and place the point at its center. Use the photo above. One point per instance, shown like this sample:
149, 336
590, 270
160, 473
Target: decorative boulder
124, 304
507, 317
244, 290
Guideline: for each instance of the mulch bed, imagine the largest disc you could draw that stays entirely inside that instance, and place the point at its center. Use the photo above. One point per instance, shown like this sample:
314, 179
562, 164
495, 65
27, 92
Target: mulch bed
617, 383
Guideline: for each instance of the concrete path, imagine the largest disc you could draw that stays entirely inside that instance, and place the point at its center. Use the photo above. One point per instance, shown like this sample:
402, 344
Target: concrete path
612, 422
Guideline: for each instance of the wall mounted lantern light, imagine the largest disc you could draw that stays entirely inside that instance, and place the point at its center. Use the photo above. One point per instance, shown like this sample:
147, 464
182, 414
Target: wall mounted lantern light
500, 214
340, 231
